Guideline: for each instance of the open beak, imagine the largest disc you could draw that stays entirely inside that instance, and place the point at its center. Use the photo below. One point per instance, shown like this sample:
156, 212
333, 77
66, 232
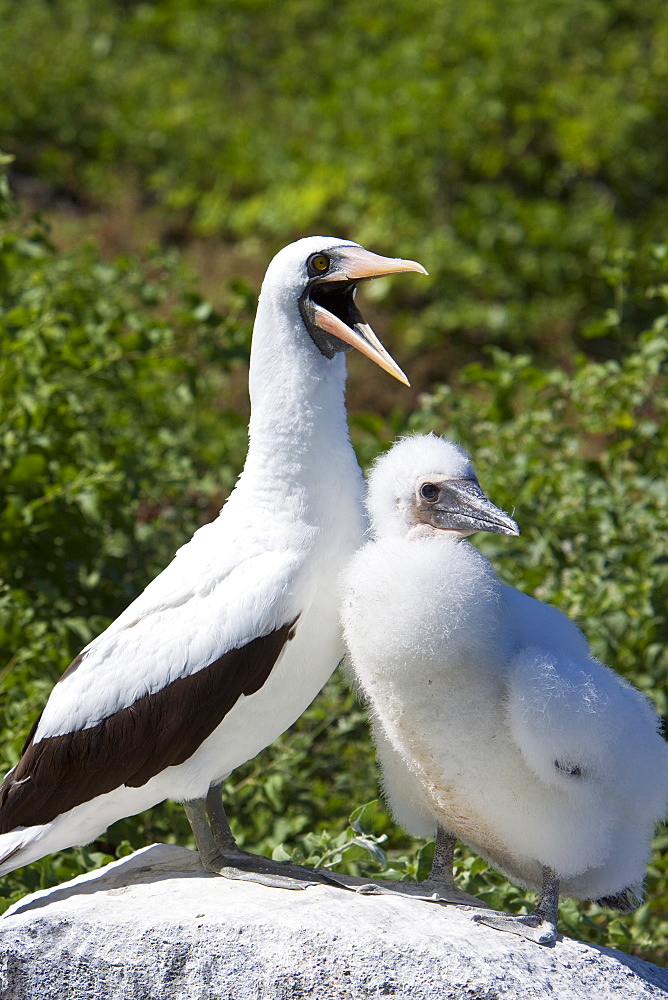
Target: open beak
356, 264
363, 338
463, 508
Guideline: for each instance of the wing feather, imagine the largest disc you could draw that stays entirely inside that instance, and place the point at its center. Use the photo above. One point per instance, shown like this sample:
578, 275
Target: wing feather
157, 731
167, 643
576, 721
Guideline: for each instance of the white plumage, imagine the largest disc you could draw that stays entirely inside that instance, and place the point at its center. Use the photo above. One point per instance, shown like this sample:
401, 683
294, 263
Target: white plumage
233, 640
492, 720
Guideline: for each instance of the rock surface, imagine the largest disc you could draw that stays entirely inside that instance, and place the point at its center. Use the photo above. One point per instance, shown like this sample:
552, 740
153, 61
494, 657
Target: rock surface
154, 925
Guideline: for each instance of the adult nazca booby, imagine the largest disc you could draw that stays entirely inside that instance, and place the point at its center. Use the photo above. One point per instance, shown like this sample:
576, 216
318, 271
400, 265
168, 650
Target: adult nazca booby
232, 641
493, 723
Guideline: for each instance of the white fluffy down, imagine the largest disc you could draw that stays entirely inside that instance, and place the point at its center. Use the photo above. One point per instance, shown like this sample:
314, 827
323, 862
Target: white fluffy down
391, 480
490, 715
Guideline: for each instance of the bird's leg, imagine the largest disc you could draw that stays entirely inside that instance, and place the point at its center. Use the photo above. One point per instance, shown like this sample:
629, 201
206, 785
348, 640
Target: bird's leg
438, 888
209, 853
220, 827
220, 854
541, 924
441, 874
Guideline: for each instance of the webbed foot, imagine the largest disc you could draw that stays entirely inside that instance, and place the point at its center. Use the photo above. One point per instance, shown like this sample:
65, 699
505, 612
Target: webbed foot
539, 926
429, 891
220, 854
255, 868
533, 926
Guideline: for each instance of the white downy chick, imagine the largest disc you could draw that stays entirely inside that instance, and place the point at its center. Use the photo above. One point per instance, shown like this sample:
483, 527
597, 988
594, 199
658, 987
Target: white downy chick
493, 722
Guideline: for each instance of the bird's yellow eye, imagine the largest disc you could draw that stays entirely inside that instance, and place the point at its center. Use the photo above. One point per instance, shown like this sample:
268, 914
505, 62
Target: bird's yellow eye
319, 263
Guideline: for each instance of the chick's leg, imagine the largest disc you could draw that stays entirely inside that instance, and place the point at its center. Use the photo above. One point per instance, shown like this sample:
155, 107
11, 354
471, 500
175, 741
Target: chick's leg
541, 924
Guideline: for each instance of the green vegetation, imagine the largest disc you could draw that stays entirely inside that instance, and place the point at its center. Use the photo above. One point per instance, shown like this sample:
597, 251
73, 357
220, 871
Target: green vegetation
519, 150
506, 143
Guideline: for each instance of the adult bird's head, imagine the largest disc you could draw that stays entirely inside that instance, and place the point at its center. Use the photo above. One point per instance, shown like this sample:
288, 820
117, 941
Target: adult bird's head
320, 275
426, 485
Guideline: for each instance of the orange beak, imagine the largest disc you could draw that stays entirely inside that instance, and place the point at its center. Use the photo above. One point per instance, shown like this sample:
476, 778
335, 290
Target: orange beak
356, 263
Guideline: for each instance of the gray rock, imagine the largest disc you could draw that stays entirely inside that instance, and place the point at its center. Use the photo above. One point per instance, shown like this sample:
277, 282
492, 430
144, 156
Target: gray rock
154, 925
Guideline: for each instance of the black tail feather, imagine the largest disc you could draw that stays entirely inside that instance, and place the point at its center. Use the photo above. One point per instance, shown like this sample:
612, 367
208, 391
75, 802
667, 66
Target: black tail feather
625, 901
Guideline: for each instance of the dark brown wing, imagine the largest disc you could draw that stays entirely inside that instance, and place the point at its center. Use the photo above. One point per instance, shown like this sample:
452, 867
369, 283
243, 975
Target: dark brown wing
137, 742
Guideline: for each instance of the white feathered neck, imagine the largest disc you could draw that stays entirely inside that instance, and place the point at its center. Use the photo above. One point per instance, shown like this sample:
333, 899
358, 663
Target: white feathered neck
298, 429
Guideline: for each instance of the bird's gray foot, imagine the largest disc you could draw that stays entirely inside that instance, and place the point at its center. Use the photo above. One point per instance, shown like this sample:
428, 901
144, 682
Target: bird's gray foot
539, 926
429, 891
532, 926
255, 868
438, 888
220, 854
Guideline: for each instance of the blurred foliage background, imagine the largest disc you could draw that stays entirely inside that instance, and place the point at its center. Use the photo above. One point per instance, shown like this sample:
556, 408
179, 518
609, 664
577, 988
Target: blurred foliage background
518, 149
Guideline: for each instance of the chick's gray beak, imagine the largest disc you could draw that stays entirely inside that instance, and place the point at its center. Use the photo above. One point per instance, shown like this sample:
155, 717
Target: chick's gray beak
461, 507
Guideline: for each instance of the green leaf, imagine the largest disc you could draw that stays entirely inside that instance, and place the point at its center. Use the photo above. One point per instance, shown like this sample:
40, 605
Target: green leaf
29, 469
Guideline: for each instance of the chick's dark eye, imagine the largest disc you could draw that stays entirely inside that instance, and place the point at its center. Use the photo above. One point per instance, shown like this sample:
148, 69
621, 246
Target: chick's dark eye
318, 263
429, 492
